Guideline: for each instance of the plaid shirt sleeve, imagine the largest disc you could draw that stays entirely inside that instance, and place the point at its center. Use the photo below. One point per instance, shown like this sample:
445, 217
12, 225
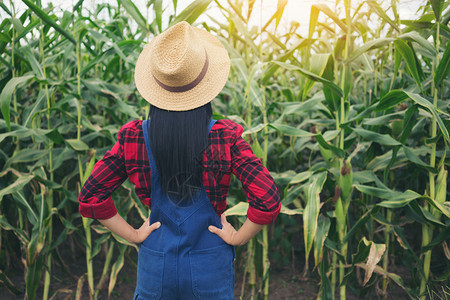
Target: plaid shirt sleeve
109, 173
258, 185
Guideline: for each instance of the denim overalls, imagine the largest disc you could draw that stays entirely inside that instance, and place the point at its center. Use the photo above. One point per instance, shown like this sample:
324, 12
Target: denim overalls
183, 259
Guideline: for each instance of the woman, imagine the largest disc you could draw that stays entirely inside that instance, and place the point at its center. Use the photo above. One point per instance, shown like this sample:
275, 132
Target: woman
180, 161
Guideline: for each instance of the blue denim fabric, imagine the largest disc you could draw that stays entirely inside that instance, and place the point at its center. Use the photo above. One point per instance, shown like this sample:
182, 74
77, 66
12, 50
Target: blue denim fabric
183, 259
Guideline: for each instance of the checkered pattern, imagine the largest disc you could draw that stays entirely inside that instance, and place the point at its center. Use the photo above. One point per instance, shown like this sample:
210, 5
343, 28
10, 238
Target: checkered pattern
227, 153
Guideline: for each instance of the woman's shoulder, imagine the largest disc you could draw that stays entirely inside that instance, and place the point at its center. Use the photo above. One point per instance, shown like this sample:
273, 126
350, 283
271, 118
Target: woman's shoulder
228, 127
131, 129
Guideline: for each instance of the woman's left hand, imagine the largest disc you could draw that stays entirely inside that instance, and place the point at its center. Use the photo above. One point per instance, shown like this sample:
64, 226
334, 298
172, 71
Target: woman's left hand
227, 233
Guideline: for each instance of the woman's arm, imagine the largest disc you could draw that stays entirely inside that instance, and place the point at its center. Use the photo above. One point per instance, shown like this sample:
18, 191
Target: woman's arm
233, 237
121, 227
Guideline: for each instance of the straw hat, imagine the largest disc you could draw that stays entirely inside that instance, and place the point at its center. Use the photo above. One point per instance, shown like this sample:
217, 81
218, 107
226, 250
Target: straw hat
182, 68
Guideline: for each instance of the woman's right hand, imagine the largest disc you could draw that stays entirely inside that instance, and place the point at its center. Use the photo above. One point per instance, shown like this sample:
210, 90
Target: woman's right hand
120, 227
144, 231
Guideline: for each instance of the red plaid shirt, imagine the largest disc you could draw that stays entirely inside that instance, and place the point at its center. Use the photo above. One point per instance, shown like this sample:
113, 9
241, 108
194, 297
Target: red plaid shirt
227, 153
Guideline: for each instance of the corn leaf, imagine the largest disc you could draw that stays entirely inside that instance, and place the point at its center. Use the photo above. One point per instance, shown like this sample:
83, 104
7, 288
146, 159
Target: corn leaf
117, 266
323, 226
47, 19
5, 96
379, 11
311, 76
443, 68
192, 12
134, 12
311, 212
382, 139
239, 209
407, 53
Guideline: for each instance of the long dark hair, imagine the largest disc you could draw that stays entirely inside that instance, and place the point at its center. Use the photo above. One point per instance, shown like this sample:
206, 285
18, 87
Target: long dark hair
177, 140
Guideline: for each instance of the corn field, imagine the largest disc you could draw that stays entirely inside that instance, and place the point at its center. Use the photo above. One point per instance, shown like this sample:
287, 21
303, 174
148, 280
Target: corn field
351, 120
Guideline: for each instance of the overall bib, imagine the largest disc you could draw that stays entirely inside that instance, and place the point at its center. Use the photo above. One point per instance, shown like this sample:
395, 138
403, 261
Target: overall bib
183, 259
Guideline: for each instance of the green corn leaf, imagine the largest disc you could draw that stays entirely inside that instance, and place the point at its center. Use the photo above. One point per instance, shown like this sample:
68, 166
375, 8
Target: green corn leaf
313, 18
428, 105
383, 119
20, 133
317, 65
253, 91
322, 142
89, 168
192, 12
379, 11
134, 12
443, 69
279, 13
323, 226
333, 87
77, 145
33, 277
311, 212
31, 58
47, 19
255, 129
26, 156
375, 44
117, 266
348, 81
396, 96
16, 186
412, 157
414, 36
382, 139
441, 237
407, 53
35, 107
362, 221
300, 177
362, 251
274, 67
17, 24
442, 207
400, 200
5, 8
291, 131
6, 95
436, 5
326, 10
55, 136
157, 5
391, 99
291, 212
383, 193
239, 209
21, 201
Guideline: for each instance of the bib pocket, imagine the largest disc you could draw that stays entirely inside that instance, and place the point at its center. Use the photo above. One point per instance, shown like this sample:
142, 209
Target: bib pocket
212, 272
149, 274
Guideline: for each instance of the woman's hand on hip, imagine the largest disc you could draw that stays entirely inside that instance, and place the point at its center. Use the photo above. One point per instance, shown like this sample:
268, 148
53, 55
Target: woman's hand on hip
233, 237
144, 231
120, 227
227, 233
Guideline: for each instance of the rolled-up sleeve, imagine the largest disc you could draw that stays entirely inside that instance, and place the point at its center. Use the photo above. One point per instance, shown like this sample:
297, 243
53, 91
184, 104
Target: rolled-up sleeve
108, 174
258, 185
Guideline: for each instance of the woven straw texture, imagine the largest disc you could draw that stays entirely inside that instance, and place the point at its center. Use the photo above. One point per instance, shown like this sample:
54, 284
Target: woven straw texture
176, 58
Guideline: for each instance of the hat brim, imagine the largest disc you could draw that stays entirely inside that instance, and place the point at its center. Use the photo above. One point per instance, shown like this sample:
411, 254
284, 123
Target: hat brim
206, 90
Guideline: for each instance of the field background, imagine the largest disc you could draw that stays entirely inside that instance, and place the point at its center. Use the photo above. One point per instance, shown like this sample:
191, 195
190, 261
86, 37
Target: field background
345, 102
